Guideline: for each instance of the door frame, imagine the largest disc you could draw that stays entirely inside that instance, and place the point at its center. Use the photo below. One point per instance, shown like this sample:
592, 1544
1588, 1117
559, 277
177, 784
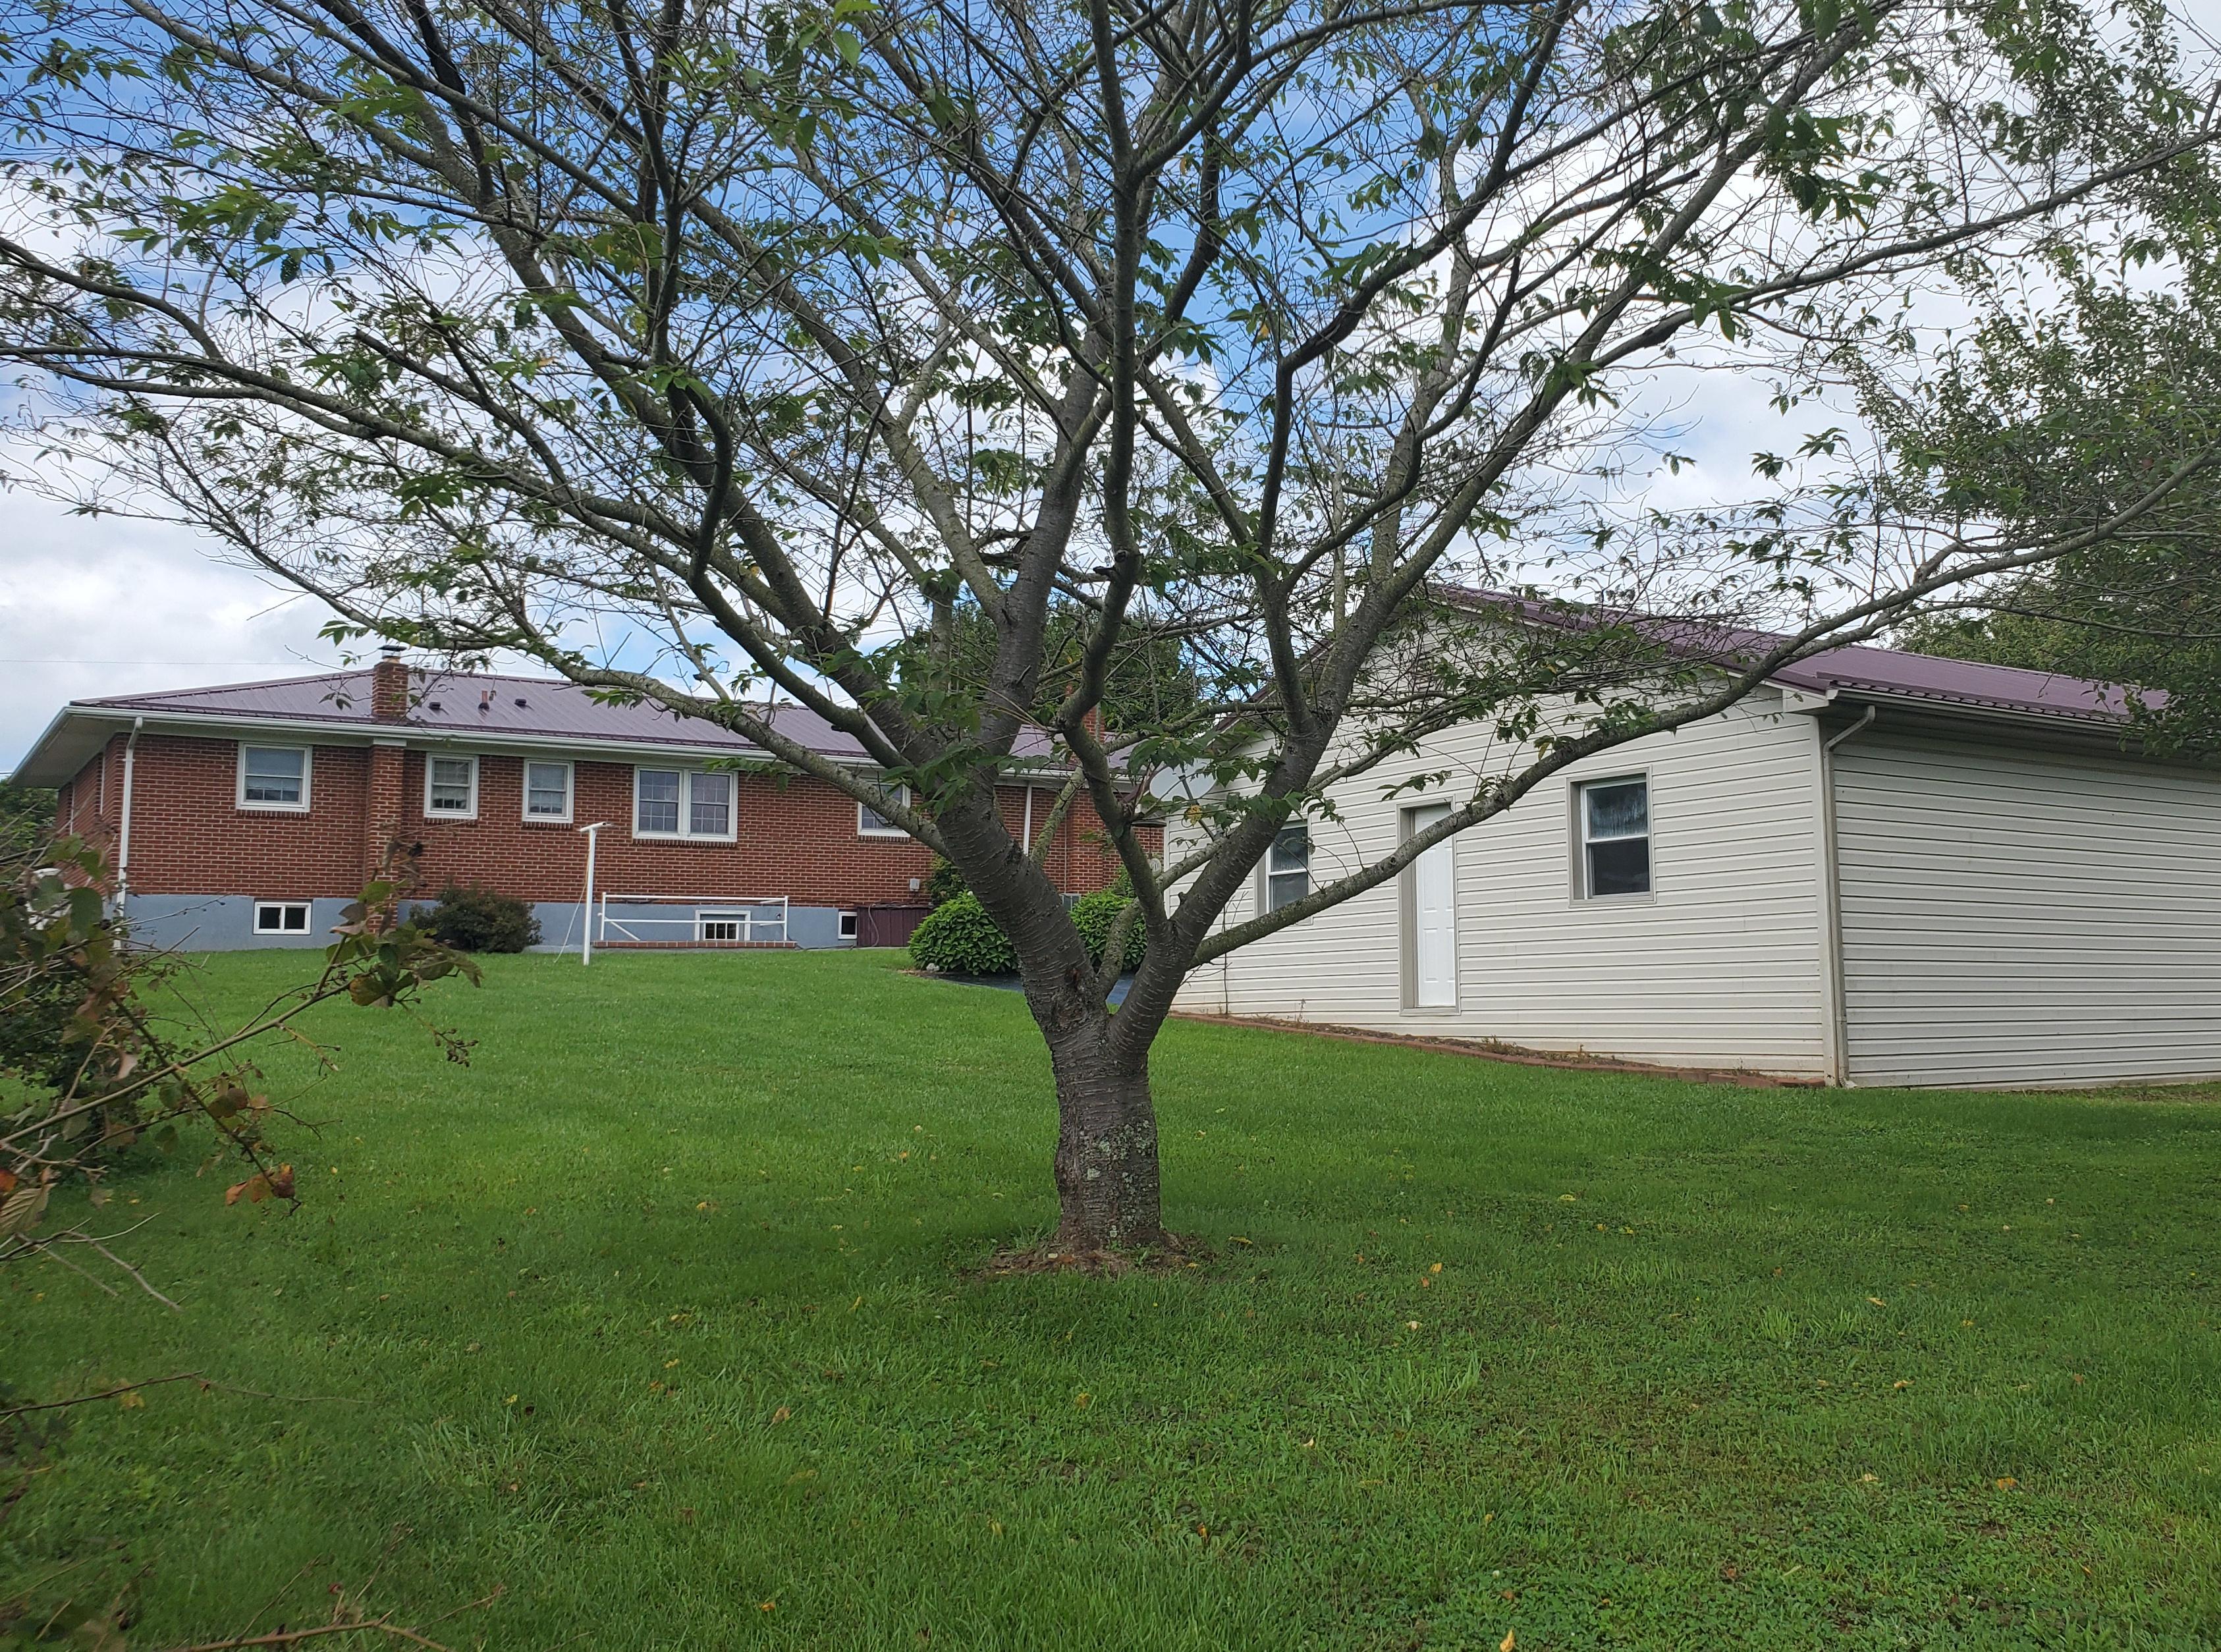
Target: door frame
1407, 903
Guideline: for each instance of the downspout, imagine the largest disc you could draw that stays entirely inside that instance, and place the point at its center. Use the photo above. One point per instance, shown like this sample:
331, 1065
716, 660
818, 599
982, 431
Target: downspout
1832, 903
123, 827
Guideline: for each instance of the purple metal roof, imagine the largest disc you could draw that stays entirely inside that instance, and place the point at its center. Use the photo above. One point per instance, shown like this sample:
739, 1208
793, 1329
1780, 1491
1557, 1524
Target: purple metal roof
447, 703
1858, 670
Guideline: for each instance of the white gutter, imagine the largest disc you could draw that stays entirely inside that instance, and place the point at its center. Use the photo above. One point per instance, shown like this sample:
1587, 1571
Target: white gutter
1835, 1030
123, 828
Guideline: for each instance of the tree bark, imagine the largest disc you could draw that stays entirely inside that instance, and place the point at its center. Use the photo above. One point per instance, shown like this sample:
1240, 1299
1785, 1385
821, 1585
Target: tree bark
1106, 1146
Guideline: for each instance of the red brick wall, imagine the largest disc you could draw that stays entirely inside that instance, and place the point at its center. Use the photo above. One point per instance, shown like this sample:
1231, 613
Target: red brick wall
189, 836
797, 837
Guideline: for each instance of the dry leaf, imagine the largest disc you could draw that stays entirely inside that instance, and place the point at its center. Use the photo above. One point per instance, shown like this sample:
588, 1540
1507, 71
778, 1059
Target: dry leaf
21, 1211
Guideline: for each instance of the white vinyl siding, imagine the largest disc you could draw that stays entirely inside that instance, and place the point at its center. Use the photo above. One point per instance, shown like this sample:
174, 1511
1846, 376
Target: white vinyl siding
1719, 966
2020, 916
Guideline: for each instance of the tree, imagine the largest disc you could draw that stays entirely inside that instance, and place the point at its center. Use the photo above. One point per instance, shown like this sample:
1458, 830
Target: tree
700, 351
27, 818
1147, 682
2059, 415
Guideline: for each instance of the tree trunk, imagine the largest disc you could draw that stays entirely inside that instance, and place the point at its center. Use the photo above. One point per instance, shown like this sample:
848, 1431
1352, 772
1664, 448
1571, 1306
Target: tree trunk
1106, 1146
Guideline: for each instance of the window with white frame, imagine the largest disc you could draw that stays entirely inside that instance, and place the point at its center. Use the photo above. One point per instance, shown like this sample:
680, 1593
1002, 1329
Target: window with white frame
682, 803
847, 926
1614, 820
281, 917
870, 822
451, 788
547, 792
1288, 865
273, 777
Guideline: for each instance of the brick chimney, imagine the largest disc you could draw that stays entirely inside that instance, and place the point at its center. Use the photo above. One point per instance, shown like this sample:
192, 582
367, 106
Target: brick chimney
389, 686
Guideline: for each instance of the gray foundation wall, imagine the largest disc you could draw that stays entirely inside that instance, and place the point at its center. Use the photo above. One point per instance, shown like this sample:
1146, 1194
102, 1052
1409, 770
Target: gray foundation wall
226, 924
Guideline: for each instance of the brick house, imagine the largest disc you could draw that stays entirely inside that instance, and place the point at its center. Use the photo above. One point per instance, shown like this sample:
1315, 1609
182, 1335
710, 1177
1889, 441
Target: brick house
249, 816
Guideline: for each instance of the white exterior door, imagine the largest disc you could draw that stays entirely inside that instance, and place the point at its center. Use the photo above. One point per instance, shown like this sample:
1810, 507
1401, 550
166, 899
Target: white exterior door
1434, 919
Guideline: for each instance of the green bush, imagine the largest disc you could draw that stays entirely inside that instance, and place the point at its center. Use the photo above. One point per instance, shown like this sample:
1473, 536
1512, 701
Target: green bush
944, 883
1093, 915
959, 938
477, 920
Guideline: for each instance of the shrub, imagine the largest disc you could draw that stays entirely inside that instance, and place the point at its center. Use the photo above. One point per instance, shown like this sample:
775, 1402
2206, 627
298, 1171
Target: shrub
944, 883
1093, 915
959, 938
477, 920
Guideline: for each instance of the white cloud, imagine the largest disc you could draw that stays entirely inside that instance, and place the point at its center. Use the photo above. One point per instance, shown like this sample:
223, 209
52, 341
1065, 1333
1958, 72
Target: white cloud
94, 606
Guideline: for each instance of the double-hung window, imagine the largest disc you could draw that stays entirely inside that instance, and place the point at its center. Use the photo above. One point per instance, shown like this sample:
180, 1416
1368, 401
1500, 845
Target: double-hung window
548, 792
1288, 865
274, 777
1614, 820
682, 803
870, 822
451, 788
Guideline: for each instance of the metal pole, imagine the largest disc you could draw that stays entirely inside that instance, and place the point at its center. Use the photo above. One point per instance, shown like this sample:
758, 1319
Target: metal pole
586, 938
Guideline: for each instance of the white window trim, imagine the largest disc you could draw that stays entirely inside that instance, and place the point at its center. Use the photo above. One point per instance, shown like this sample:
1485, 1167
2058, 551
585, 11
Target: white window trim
1582, 892
430, 813
687, 777
846, 927
900, 794
308, 925
570, 792
1265, 872
308, 766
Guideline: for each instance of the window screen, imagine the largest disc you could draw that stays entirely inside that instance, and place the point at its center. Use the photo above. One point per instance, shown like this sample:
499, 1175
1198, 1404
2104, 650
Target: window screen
709, 813
1288, 866
655, 800
1615, 838
451, 786
272, 774
547, 790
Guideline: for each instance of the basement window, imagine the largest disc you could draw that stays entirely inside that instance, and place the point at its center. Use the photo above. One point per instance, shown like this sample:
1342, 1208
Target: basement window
281, 917
847, 926
1614, 819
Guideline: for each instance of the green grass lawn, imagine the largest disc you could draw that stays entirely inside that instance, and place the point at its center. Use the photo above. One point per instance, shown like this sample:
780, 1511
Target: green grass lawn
663, 1318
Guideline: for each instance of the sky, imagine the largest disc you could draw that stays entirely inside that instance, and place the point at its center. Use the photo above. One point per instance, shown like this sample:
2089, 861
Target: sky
92, 606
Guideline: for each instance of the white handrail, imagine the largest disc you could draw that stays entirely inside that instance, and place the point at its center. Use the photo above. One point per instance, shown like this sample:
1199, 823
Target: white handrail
766, 912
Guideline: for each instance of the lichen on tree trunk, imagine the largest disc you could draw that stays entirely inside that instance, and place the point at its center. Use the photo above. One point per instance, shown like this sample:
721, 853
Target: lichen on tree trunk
1106, 1147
